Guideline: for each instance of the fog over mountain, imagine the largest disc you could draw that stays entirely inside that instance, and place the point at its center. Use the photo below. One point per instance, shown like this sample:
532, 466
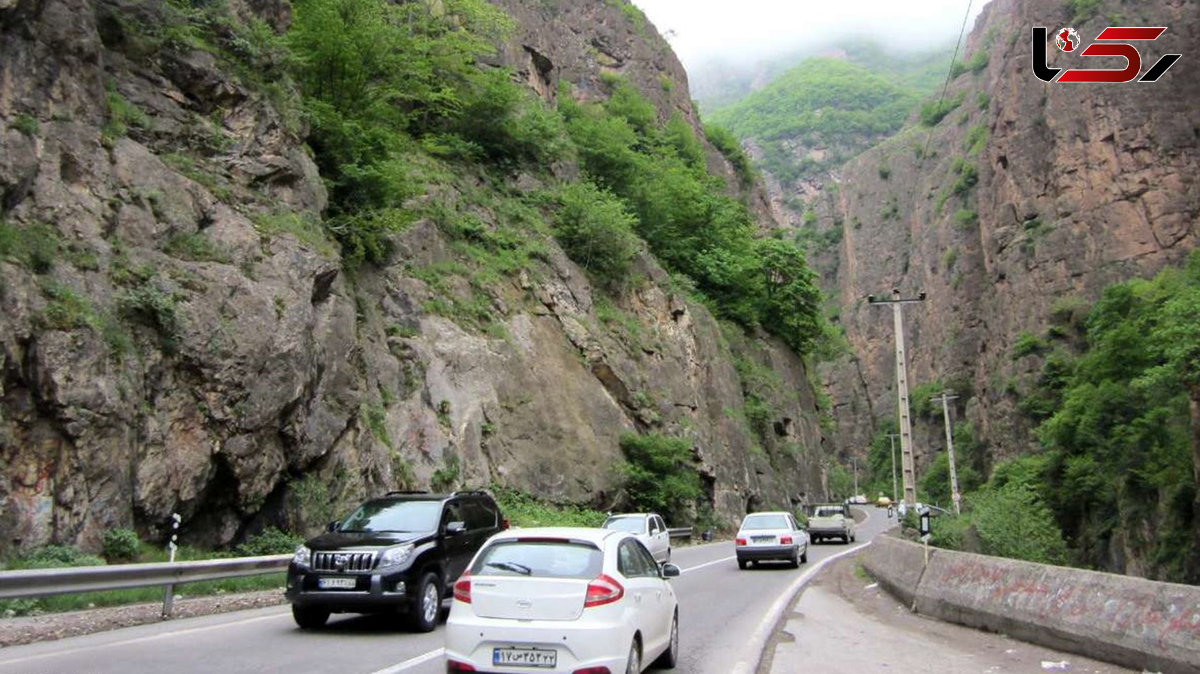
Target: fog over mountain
708, 31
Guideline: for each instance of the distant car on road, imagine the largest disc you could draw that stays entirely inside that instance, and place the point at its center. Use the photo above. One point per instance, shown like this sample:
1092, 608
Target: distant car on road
770, 536
858, 499
400, 552
649, 529
563, 600
883, 502
831, 521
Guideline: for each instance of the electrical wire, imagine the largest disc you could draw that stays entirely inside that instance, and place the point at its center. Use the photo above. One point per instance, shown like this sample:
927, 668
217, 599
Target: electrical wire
946, 84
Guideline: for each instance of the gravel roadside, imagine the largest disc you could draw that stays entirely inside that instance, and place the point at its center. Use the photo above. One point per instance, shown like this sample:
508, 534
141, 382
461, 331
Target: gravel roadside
52, 626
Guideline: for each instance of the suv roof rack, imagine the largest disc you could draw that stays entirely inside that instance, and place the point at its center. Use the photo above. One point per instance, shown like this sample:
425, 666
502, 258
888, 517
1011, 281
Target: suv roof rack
470, 492
402, 492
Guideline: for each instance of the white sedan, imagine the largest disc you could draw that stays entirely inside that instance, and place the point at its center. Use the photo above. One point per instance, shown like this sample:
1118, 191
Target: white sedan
563, 600
648, 527
770, 536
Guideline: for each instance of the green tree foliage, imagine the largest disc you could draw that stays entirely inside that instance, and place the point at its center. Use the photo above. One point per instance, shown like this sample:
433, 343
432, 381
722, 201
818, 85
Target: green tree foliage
689, 222
660, 475
829, 102
120, 545
1012, 521
596, 230
1119, 467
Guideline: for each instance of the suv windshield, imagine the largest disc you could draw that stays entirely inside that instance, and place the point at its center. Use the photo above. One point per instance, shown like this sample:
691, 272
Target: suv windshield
393, 516
765, 522
545, 559
634, 525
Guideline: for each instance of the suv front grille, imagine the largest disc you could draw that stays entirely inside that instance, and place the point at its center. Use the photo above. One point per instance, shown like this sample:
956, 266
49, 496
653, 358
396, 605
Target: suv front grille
343, 561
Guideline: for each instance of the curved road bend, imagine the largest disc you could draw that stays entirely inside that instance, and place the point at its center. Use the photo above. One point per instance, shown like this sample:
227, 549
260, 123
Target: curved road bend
720, 608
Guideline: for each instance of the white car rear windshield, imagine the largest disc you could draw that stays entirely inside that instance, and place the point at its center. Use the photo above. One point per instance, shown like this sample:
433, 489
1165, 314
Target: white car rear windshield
539, 559
634, 525
765, 522
828, 512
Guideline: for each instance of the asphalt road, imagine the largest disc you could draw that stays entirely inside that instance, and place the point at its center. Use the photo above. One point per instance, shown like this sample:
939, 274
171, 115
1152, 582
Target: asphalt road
720, 606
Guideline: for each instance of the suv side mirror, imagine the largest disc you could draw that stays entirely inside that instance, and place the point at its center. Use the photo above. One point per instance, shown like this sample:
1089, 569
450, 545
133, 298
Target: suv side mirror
456, 528
332, 526
669, 570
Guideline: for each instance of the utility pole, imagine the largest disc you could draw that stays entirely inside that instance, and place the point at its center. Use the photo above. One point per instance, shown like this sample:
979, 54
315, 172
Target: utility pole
855, 458
907, 466
945, 400
892, 437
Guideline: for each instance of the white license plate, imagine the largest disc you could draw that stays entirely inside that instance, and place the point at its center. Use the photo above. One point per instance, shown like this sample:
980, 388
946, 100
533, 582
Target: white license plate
524, 657
339, 583
762, 539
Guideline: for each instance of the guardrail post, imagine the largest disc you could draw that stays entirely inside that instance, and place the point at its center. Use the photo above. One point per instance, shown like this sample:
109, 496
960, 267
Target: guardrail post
169, 588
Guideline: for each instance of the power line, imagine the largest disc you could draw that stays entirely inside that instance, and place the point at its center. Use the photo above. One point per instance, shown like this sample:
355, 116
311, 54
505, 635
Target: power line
946, 84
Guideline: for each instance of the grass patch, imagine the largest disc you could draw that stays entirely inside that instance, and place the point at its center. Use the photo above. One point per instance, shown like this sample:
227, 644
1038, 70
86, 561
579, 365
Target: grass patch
935, 111
523, 510
26, 124
306, 230
196, 247
34, 246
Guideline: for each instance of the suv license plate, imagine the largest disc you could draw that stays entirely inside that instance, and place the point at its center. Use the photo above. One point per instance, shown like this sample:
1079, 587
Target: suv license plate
338, 583
525, 657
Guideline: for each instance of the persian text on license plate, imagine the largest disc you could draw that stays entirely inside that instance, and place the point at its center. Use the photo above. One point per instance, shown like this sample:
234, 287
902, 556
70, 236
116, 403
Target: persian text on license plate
524, 657
336, 583
763, 539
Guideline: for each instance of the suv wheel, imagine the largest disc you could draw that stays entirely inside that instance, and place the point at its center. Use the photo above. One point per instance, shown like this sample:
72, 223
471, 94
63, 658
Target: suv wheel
309, 617
427, 604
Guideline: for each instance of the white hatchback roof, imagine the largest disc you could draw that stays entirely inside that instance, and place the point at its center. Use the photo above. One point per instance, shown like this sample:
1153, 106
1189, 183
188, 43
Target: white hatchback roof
590, 535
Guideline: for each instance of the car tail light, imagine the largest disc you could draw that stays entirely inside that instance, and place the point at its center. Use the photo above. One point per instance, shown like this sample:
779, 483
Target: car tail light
453, 666
462, 592
504, 524
593, 670
785, 540
739, 541
603, 590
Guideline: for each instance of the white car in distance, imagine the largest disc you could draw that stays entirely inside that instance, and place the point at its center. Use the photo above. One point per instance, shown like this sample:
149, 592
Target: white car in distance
770, 536
648, 527
563, 601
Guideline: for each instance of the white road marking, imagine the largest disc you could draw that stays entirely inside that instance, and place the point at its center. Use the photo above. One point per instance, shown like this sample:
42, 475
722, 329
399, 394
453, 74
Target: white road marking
701, 566
137, 640
412, 662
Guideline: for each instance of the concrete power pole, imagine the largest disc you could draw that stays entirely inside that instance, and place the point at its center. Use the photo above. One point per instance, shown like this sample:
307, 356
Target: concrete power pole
907, 465
892, 437
954, 495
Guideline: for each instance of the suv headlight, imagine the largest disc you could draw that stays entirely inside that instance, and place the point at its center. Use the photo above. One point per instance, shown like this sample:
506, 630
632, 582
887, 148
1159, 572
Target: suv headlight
396, 556
303, 556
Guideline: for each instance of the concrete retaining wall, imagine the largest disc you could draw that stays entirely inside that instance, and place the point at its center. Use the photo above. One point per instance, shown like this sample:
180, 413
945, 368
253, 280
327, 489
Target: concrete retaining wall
1130, 621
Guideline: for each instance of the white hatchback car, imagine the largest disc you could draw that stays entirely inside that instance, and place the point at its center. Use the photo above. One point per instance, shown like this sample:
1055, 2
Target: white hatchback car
563, 600
648, 527
770, 536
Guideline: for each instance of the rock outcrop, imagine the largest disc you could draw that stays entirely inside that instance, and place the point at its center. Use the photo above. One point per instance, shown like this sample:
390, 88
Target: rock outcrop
179, 336
1013, 212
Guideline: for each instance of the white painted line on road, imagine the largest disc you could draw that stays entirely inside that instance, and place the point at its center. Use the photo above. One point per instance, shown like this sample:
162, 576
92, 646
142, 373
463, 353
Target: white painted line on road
413, 662
758, 642
137, 640
701, 566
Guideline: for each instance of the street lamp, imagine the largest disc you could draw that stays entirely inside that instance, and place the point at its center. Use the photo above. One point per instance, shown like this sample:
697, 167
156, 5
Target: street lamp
907, 467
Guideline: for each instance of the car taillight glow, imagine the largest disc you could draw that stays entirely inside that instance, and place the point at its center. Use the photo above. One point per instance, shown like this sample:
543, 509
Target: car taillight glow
504, 524
453, 666
785, 540
739, 541
603, 590
462, 592
593, 670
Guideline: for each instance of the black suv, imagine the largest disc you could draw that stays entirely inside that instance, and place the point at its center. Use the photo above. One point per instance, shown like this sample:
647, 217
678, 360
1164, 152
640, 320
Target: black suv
399, 553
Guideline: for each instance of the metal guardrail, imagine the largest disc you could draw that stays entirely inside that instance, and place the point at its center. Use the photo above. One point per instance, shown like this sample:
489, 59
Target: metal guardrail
680, 532
42, 582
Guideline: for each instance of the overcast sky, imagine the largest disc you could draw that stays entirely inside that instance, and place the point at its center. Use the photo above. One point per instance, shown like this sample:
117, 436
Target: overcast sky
746, 30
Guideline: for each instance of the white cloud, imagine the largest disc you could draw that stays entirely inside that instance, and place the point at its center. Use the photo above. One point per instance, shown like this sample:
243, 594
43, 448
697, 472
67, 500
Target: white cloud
743, 30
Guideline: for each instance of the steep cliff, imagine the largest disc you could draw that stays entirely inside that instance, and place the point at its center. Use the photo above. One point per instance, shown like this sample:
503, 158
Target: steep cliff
180, 335
1013, 210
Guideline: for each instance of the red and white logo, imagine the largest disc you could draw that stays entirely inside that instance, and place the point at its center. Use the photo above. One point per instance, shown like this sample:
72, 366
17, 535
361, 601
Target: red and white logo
1067, 39
1112, 41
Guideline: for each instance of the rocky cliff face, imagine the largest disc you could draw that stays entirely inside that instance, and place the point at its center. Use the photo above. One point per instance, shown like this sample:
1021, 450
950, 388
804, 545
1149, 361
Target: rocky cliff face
1012, 213
179, 336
